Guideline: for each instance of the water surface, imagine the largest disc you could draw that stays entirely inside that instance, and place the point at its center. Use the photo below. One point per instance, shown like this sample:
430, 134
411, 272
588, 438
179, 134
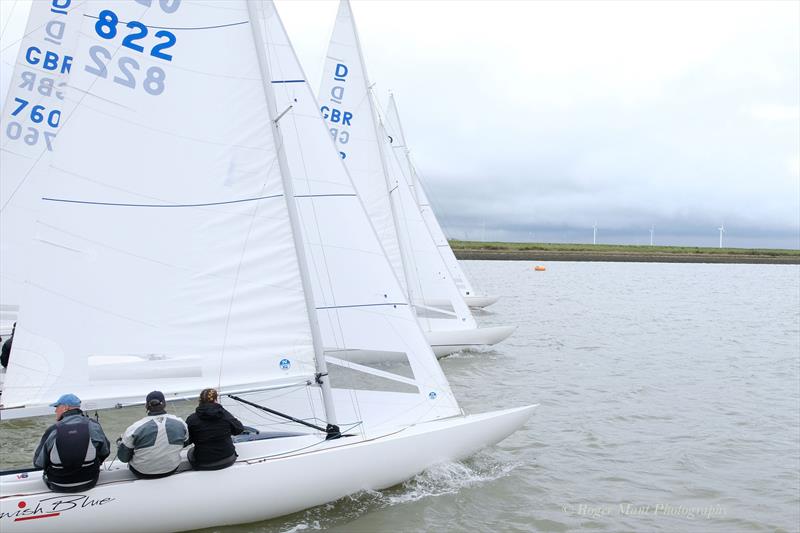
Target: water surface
669, 401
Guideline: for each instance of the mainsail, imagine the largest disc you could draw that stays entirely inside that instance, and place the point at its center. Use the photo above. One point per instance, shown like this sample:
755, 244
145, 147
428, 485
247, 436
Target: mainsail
36, 104
347, 104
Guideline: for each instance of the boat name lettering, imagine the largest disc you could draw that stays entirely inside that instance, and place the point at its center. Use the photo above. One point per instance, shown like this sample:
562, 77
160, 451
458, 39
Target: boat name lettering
153, 82
168, 6
340, 72
50, 61
106, 28
54, 506
15, 130
45, 87
34, 124
336, 115
38, 113
59, 7
55, 31
342, 137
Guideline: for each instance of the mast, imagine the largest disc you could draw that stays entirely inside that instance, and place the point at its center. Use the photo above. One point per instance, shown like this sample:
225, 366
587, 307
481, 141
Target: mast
379, 138
412, 175
288, 188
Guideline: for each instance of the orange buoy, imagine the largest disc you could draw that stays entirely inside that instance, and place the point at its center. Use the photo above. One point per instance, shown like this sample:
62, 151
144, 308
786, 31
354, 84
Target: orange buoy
539, 268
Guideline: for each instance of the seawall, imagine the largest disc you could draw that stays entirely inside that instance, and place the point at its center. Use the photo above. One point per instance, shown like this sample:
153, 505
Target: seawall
633, 257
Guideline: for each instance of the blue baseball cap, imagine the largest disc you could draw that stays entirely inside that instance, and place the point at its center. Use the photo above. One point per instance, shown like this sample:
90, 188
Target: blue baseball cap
67, 399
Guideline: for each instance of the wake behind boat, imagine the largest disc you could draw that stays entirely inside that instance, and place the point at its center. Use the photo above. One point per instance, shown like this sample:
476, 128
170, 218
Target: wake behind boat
194, 226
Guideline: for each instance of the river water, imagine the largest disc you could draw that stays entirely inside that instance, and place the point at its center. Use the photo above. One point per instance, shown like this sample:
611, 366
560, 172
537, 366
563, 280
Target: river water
669, 401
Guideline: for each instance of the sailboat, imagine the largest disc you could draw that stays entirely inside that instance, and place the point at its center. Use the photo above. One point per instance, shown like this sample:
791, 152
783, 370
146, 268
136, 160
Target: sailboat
348, 105
175, 240
397, 138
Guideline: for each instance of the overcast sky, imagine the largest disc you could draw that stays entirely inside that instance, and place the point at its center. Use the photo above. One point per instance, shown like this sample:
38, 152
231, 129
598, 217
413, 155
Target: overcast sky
537, 119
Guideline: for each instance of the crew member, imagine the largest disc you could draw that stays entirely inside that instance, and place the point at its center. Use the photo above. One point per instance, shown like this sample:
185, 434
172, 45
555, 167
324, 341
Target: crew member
71, 450
152, 446
210, 430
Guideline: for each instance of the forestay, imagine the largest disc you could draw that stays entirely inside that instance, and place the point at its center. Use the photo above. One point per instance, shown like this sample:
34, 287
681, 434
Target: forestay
164, 213
347, 104
35, 106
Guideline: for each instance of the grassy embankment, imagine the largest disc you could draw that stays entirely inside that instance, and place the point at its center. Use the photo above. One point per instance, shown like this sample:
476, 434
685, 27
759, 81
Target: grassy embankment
619, 252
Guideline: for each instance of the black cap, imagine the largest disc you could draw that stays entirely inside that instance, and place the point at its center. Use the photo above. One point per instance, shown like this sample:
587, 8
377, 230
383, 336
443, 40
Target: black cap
155, 399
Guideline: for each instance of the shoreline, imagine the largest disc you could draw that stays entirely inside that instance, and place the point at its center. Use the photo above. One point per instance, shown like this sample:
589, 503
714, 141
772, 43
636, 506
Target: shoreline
623, 257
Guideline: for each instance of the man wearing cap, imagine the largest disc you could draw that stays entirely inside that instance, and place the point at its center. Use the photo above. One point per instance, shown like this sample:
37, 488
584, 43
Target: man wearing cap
152, 446
71, 450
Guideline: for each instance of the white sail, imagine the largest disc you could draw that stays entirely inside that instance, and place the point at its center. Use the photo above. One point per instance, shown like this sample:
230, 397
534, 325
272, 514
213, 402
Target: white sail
360, 303
347, 104
164, 211
433, 280
36, 104
165, 245
398, 140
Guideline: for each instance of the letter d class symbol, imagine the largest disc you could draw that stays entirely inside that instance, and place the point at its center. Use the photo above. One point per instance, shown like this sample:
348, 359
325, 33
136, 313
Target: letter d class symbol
336, 93
340, 73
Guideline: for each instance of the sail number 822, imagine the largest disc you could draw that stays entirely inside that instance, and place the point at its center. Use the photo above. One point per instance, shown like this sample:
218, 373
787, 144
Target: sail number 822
153, 82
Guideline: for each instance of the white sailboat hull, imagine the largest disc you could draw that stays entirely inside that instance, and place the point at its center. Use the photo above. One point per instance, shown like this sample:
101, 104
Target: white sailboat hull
447, 342
479, 302
271, 478
474, 302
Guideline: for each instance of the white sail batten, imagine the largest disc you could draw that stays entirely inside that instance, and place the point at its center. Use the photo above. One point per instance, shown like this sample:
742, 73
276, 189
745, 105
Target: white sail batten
399, 143
36, 105
363, 142
163, 209
360, 302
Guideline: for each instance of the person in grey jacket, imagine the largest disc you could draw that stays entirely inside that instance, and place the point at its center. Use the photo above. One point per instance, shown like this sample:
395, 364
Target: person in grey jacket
152, 446
71, 450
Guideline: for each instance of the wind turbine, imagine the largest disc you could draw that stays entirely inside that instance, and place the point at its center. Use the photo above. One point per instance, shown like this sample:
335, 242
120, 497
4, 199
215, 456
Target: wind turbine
721, 231
652, 230
594, 233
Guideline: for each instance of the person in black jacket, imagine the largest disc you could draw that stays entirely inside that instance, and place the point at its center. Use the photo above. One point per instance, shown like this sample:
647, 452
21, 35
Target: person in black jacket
210, 430
5, 351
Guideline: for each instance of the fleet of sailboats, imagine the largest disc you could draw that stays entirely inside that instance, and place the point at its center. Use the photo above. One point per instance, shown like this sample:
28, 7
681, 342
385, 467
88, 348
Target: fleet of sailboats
194, 225
397, 138
349, 107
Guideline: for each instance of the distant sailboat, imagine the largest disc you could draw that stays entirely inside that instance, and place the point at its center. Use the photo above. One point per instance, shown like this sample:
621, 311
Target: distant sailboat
348, 105
177, 233
398, 139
